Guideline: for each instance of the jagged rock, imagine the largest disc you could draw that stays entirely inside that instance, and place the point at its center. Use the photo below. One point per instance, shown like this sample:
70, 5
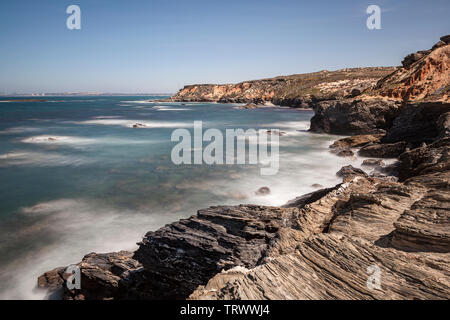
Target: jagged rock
443, 125
446, 39
389, 170
346, 153
386, 150
350, 172
417, 124
433, 158
277, 132
334, 266
439, 44
370, 223
302, 201
426, 227
53, 279
373, 163
413, 57
103, 276
355, 92
354, 117
381, 176
356, 141
250, 106
179, 257
263, 191
425, 76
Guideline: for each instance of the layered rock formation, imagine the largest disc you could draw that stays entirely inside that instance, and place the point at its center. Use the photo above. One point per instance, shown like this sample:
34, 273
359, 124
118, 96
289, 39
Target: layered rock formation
424, 77
401, 230
373, 236
318, 246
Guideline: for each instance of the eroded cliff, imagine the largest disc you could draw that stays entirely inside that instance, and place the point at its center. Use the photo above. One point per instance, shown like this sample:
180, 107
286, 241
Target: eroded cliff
423, 77
298, 90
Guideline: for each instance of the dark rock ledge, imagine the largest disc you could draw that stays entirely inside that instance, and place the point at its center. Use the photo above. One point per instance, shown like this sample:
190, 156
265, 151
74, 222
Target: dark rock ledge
316, 247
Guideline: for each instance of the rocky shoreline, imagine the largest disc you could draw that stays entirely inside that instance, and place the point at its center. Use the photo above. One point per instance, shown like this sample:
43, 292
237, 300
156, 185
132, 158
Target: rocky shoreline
297, 91
321, 245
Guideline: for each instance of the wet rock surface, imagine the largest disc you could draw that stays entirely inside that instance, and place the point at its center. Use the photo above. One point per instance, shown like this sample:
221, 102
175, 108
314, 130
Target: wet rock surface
354, 116
373, 163
350, 172
346, 153
357, 141
385, 150
263, 191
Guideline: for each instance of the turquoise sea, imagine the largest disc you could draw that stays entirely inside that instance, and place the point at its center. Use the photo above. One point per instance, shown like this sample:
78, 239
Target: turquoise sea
76, 178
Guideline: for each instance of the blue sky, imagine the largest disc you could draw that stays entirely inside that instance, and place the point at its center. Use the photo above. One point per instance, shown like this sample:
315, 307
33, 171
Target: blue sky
159, 46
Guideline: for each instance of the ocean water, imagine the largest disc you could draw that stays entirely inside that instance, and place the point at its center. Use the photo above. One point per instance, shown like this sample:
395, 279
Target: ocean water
101, 185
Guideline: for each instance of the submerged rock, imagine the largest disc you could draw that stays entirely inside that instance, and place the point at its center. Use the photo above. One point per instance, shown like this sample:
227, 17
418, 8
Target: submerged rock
249, 106
418, 124
103, 276
347, 153
350, 172
373, 163
139, 125
277, 132
263, 191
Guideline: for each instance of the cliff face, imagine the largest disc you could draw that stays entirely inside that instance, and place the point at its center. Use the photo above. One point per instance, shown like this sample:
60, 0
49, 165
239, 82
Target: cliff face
424, 78
295, 90
425, 75
348, 101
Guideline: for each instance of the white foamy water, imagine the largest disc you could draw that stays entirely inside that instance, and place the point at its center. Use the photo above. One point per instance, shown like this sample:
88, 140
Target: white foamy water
75, 142
129, 123
77, 178
166, 108
79, 226
58, 140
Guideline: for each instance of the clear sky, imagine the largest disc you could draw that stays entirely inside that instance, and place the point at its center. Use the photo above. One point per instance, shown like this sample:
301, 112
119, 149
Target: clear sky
159, 46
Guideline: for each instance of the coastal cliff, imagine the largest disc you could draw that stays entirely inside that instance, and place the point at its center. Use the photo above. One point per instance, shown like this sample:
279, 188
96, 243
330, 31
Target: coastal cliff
395, 220
298, 90
423, 77
348, 101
